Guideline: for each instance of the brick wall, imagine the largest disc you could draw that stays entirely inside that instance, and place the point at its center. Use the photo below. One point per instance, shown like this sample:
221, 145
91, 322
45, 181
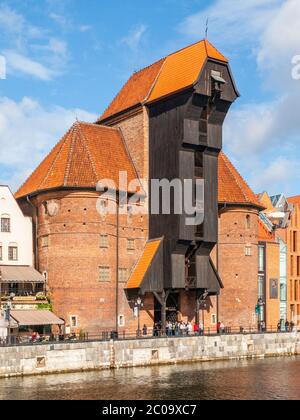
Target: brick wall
238, 272
272, 273
73, 256
135, 130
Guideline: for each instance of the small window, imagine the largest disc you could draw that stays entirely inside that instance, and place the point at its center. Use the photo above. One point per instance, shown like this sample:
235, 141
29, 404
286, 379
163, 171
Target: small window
45, 241
104, 274
248, 222
123, 275
103, 241
248, 251
74, 321
214, 319
13, 253
121, 321
5, 224
130, 245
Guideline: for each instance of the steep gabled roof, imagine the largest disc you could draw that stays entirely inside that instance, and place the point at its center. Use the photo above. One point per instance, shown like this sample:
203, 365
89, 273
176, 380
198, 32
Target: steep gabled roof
233, 189
86, 154
176, 72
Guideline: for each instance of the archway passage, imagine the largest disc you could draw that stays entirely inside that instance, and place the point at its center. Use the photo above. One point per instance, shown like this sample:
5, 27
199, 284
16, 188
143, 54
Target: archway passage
172, 308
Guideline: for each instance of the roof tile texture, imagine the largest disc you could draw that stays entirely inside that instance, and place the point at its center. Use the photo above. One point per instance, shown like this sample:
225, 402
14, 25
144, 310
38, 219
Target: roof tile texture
174, 73
232, 187
87, 154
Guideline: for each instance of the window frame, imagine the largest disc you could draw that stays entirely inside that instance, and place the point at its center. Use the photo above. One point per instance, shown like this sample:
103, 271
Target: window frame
104, 278
5, 218
13, 248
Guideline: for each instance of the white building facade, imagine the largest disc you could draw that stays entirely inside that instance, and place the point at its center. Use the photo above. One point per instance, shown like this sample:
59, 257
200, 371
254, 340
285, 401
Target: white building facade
16, 236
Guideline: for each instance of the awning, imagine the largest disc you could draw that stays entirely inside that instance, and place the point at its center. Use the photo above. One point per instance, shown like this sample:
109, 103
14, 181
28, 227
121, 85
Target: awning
20, 274
35, 318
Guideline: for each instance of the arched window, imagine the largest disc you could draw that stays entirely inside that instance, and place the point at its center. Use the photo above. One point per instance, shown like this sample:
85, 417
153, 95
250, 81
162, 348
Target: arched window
5, 223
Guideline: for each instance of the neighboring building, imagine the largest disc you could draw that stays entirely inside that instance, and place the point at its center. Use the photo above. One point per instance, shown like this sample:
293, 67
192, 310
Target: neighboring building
269, 270
17, 274
283, 280
237, 250
283, 215
165, 123
22, 288
16, 246
293, 240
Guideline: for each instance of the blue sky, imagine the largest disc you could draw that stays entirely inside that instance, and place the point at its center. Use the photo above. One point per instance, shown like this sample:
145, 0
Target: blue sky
67, 59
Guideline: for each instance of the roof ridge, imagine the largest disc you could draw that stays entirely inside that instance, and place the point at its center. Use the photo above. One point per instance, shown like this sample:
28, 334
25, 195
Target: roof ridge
97, 125
156, 79
218, 51
68, 166
62, 141
85, 145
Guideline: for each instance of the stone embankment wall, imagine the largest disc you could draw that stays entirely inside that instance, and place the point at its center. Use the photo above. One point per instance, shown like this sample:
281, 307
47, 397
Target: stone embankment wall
62, 358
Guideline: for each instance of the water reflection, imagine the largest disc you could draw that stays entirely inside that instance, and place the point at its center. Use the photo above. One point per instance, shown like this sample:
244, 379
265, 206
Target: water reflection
262, 379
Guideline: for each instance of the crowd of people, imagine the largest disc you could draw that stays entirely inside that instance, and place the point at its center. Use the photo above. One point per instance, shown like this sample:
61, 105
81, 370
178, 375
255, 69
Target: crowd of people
176, 329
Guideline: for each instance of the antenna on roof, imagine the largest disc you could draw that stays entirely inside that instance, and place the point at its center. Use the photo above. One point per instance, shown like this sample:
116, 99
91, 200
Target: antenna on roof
206, 28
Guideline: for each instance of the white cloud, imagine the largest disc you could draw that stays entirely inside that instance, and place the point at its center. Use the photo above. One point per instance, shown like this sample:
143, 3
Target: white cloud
85, 28
278, 175
15, 25
260, 137
17, 63
231, 21
28, 131
134, 38
29, 49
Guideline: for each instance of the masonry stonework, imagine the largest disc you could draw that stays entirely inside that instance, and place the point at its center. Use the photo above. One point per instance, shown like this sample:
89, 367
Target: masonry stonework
63, 358
238, 235
72, 258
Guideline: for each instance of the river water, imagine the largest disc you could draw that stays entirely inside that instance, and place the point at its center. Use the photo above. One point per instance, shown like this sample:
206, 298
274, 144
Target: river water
260, 379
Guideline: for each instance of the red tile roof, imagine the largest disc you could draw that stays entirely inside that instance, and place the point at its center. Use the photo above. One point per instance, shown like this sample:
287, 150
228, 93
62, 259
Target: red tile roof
143, 264
233, 189
87, 154
172, 74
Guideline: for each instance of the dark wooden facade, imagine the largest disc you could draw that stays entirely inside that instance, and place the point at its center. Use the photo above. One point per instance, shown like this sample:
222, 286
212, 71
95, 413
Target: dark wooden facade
185, 141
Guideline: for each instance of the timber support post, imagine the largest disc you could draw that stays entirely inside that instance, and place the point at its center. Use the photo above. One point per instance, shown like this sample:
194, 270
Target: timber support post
162, 299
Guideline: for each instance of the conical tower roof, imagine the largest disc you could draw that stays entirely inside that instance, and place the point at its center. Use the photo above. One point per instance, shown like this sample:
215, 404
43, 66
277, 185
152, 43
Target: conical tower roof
86, 154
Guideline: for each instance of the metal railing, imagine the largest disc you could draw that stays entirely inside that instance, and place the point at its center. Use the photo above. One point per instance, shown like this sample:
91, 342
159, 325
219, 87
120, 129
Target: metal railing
104, 336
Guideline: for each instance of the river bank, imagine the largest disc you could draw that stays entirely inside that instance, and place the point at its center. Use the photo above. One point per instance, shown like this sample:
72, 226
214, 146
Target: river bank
87, 356
268, 379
